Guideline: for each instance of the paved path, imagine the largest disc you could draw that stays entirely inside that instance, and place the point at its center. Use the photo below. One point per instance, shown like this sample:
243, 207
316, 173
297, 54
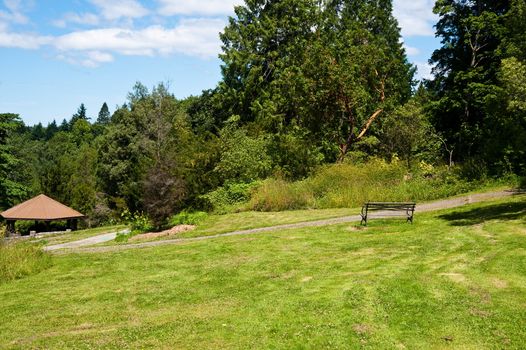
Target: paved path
437, 205
86, 242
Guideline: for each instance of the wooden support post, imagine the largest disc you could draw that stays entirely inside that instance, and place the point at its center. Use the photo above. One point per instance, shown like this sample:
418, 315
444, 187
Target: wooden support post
10, 228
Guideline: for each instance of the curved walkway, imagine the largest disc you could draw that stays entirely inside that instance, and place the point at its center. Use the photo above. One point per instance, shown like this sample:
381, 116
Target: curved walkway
77, 247
106, 237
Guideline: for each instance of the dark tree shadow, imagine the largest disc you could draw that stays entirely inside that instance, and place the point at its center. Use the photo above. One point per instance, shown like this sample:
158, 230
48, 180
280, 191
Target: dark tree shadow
504, 211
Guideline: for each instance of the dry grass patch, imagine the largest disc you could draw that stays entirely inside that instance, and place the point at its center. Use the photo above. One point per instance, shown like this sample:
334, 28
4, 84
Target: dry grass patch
176, 230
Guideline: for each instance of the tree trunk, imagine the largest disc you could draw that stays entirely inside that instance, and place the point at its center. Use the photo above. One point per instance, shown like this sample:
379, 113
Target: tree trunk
352, 138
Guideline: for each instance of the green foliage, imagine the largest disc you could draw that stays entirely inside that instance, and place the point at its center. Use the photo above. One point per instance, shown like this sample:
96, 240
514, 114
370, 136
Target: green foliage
18, 260
330, 68
349, 185
104, 115
471, 77
11, 190
243, 158
80, 115
408, 133
138, 222
22, 227
229, 195
188, 218
120, 159
293, 155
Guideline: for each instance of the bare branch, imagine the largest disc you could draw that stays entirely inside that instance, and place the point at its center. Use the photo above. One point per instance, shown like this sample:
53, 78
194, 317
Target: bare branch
368, 124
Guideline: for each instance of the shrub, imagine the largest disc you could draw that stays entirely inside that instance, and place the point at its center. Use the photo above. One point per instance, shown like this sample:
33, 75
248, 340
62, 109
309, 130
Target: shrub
188, 218
23, 227
138, 221
349, 185
231, 194
277, 195
21, 259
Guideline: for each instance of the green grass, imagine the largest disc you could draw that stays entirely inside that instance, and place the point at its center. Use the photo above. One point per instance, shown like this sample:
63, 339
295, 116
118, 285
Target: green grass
21, 259
453, 279
217, 224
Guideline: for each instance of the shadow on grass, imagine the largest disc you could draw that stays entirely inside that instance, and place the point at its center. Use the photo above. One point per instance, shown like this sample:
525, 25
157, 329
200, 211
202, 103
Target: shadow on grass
504, 211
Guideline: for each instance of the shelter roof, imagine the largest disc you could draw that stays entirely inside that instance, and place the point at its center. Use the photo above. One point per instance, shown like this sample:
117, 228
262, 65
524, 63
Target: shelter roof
41, 208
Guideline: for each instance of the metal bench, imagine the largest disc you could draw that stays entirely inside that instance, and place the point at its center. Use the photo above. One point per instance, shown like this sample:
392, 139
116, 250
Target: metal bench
407, 208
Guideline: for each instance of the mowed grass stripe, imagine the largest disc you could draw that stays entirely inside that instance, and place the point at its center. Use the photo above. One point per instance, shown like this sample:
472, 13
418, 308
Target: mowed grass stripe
446, 281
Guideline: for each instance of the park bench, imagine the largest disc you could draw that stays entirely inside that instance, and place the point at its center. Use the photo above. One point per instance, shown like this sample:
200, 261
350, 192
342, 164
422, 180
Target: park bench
408, 209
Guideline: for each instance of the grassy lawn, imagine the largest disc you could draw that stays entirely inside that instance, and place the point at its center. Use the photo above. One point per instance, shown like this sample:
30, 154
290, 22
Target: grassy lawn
217, 224
454, 279
78, 235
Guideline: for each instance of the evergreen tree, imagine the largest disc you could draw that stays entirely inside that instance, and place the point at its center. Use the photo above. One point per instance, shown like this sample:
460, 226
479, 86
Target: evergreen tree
329, 67
51, 129
466, 69
354, 71
104, 115
64, 126
38, 132
11, 191
80, 115
259, 43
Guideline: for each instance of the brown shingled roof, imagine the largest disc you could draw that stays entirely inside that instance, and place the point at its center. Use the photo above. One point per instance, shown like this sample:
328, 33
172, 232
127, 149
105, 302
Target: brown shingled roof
41, 208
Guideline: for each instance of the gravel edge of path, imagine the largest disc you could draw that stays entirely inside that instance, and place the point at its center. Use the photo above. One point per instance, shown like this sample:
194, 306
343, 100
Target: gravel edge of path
425, 207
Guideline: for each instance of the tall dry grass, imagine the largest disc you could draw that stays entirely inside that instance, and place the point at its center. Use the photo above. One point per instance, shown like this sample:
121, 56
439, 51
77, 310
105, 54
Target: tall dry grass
350, 185
19, 259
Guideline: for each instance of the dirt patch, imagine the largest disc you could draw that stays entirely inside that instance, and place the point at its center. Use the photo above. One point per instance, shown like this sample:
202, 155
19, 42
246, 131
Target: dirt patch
364, 252
500, 284
356, 228
167, 233
306, 279
361, 329
480, 313
455, 277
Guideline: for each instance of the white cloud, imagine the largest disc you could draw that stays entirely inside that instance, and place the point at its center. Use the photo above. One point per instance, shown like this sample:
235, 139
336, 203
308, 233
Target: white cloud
89, 59
14, 12
116, 9
84, 19
424, 70
23, 40
193, 37
196, 37
198, 7
411, 51
416, 17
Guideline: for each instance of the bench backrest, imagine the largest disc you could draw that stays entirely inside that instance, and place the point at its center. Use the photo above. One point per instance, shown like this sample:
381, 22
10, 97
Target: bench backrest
390, 206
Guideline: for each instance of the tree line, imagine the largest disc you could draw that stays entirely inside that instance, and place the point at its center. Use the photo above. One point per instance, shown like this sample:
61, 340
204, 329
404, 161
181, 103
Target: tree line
304, 83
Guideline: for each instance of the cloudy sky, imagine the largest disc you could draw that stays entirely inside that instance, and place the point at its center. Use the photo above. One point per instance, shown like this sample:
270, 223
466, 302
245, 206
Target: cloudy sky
56, 54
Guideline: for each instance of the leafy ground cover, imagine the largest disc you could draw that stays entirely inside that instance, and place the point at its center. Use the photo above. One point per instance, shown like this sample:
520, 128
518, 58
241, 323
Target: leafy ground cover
456, 278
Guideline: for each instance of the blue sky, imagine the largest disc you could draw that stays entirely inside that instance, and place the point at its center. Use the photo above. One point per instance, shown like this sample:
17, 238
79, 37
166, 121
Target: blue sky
56, 54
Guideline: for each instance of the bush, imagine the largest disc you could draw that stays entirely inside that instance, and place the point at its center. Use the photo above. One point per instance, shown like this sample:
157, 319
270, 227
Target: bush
187, 218
231, 194
21, 259
349, 185
278, 195
23, 227
138, 221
